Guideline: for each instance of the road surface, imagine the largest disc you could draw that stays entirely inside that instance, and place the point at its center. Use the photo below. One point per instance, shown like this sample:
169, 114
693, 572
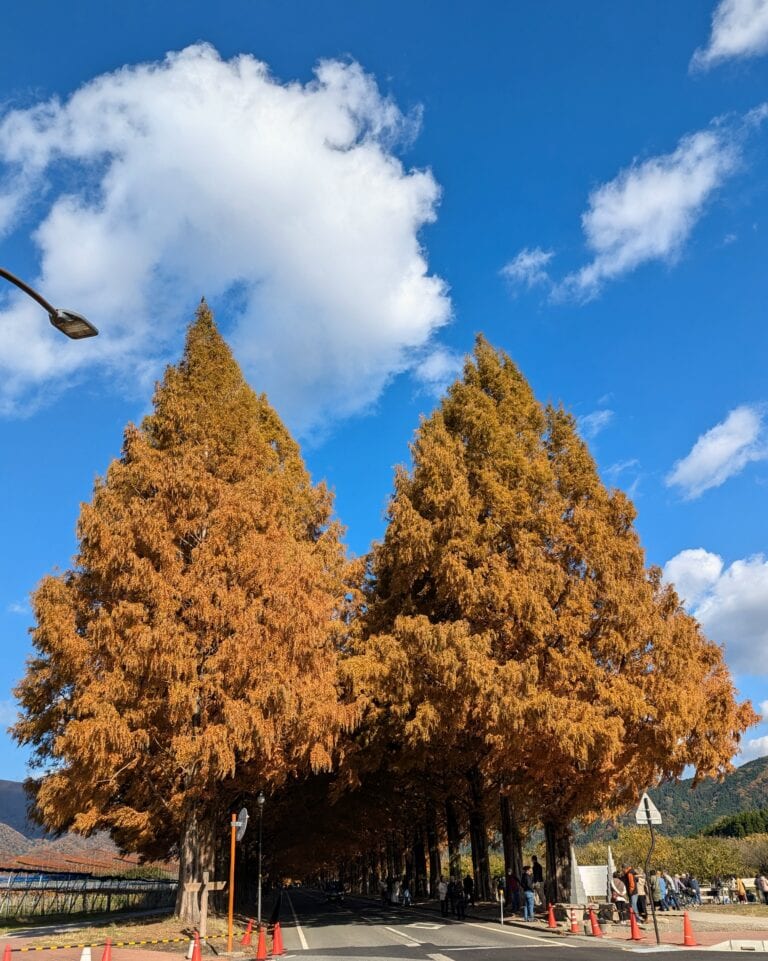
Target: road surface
360, 929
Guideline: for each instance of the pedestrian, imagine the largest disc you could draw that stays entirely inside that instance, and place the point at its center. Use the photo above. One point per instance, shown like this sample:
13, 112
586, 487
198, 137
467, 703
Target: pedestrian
629, 877
694, 885
658, 890
453, 894
538, 880
442, 893
671, 896
761, 886
515, 892
619, 897
461, 903
642, 895
469, 890
526, 884
741, 891
406, 895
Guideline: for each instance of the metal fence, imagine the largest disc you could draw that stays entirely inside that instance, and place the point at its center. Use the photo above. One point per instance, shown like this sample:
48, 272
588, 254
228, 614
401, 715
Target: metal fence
27, 894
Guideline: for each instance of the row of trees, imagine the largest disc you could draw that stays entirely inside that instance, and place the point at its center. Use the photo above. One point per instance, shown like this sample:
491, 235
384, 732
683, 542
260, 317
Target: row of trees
503, 658
740, 825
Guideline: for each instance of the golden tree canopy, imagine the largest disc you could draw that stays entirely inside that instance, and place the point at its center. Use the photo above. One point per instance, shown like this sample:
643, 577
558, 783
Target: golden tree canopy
190, 653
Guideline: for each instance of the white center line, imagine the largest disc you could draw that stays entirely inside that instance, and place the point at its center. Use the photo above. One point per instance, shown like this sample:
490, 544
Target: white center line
302, 939
519, 934
414, 943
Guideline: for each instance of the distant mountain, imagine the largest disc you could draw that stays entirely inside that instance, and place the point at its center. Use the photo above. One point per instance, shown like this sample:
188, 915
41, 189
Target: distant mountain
13, 810
686, 811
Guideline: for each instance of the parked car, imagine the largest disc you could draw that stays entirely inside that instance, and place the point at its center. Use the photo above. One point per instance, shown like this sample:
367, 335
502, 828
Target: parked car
334, 892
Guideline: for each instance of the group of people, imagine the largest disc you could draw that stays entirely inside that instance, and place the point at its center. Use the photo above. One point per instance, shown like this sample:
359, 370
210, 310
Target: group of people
455, 895
632, 890
734, 890
523, 893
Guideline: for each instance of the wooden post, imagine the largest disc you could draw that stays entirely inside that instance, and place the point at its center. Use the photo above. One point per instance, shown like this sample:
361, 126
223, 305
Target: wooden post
231, 915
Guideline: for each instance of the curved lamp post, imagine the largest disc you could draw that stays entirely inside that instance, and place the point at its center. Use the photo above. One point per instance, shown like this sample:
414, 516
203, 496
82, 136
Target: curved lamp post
260, 800
73, 325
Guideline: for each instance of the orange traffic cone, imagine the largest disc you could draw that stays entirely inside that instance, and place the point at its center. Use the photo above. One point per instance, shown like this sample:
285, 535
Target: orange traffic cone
107, 955
596, 932
7, 953
634, 927
688, 939
261, 947
197, 952
575, 929
246, 938
277, 941
551, 923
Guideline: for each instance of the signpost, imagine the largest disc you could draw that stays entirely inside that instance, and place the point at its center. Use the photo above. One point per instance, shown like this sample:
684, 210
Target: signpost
648, 813
238, 824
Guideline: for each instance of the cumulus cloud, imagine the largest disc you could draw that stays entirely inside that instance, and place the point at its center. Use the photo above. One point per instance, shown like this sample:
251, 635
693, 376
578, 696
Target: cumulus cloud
693, 572
8, 712
528, 268
438, 370
590, 425
721, 452
730, 603
764, 710
739, 29
195, 175
753, 748
648, 211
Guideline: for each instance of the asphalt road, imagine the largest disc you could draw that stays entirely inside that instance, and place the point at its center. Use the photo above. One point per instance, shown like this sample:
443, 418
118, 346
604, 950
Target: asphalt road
361, 929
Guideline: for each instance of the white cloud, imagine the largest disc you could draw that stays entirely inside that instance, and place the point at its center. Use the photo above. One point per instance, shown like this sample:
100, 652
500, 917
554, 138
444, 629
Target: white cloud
730, 603
528, 268
693, 573
9, 713
752, 749
590, 425
438, 370
18, 607
648, 211
197, 175
764, 710
739, 29
721, 452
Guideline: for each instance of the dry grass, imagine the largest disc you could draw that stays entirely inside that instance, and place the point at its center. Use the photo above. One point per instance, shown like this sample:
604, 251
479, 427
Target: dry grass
746, 910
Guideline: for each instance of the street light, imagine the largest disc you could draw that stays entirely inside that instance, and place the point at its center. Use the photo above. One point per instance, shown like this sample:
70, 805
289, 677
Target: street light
73, 325
260, 801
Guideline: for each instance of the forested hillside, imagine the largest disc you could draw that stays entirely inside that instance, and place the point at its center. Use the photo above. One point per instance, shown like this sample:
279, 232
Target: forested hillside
688, 811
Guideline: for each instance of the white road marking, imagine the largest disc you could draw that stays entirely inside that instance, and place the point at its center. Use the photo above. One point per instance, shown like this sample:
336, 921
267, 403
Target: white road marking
427, 925
518, 934
299, 930
439, 957
414, 943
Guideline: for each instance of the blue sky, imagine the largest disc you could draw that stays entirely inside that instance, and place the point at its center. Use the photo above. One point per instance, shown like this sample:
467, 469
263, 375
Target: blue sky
358, 189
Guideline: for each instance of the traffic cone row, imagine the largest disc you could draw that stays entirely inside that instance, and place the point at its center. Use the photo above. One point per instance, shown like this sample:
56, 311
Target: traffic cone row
596, 932
575, 928
7, 953
689, 941
107, 953
634, 927
197, 951
261, 947
551, 923
277, 941
246, 939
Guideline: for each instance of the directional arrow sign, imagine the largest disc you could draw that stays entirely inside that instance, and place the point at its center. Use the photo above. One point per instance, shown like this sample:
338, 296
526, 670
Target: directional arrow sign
647, 812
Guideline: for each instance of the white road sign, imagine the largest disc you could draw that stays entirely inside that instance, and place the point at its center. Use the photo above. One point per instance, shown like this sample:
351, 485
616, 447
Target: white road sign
647, 812
241, 823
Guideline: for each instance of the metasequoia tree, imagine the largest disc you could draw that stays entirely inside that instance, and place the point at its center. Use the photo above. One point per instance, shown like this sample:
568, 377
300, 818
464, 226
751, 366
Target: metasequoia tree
513, 630
189, 656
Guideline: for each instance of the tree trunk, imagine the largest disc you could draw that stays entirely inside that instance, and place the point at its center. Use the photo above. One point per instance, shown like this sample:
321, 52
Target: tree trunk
434, 850
511, 839
419, 863
196, 854
454, 839
479, 836
558, 877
